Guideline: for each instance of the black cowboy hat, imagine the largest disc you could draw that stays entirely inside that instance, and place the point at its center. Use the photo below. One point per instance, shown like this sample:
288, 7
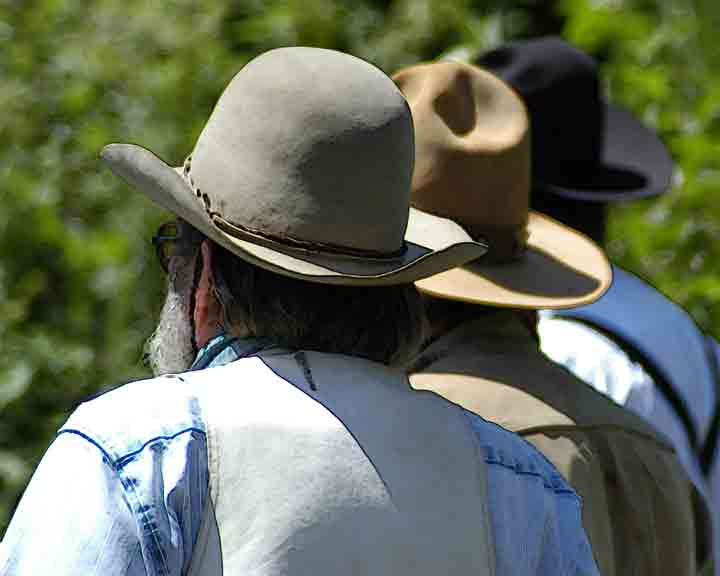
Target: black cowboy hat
582, 147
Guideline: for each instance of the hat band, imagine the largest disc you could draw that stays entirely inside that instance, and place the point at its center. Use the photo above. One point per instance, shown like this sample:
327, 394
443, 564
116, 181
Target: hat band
285, 243
504, 246
289, 244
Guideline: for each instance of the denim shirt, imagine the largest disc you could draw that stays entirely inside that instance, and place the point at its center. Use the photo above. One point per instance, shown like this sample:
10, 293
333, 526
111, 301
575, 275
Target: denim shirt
600, 362
605, 366
128, 500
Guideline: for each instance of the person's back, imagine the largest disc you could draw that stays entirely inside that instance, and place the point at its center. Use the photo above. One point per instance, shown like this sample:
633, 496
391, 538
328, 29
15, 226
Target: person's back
408, 482
646, 353
351, 472
635, 493
473, 166
316, 466
261, 461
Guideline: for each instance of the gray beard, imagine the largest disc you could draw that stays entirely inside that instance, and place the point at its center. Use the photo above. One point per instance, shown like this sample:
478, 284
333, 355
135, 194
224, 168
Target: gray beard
170, 349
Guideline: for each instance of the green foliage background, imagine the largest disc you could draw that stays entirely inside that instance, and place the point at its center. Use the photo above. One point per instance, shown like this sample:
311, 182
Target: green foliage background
79, 290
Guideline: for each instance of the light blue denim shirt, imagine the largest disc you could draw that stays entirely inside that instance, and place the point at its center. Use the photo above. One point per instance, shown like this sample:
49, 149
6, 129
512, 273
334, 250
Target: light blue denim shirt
130, 501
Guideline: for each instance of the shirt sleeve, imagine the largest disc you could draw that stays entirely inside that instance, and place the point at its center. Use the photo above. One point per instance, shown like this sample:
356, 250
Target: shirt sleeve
534, 514
73, 518
537, 529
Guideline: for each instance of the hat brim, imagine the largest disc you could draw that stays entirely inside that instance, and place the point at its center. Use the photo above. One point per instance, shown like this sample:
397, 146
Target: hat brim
634, 164
433, 244
560, 268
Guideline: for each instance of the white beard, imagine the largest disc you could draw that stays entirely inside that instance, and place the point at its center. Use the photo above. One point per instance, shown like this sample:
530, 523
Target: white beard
170, 348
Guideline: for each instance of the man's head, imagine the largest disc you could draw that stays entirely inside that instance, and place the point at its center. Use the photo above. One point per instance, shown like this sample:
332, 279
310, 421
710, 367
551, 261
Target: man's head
586, 152
299, 184
211, 291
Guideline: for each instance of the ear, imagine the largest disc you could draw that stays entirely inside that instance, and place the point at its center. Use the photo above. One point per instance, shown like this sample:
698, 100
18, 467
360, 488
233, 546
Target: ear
208, 311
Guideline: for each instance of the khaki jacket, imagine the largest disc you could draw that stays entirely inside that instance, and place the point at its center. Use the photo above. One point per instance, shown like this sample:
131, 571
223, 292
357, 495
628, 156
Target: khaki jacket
639, 508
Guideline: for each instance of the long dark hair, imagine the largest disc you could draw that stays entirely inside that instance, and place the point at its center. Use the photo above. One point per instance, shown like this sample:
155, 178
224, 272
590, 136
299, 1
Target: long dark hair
386, 324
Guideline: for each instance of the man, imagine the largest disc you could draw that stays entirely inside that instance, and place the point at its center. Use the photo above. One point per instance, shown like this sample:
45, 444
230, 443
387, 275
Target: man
473, 166
633, 344
292, 445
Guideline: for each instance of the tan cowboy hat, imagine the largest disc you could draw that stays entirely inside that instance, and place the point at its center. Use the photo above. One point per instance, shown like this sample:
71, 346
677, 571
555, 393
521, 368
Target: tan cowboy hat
304, 169
472, 165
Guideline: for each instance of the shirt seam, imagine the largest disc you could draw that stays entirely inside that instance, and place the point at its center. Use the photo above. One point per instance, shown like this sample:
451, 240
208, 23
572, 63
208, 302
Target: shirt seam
550, 487
146, 521
139, 510
119, 462
659, 442
547, 482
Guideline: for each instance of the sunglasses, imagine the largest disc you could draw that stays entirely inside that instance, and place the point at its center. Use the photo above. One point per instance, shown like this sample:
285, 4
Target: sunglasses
169, 236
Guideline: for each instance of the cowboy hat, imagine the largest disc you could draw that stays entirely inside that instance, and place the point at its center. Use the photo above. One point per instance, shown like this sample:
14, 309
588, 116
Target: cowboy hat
472, 165
582, 147
304, 169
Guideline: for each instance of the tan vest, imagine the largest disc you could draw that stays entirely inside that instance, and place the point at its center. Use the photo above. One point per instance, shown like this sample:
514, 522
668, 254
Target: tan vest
640, 511
347, 472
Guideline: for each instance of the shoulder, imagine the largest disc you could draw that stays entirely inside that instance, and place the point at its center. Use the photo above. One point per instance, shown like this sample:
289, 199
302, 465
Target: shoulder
631, 312
535, 513
627, 285
124, 420
504, 449
591, 409
592, 357
152, 435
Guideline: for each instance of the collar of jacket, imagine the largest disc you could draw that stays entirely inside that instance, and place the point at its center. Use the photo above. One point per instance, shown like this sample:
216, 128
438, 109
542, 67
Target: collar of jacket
501, 332
493, 362
223, 349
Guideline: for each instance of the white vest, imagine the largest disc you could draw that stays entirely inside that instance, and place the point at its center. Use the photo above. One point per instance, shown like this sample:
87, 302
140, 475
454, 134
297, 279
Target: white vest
323, 464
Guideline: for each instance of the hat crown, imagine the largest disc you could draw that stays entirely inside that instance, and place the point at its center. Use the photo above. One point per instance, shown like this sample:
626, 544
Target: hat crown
472, 152
560, 86
312, 147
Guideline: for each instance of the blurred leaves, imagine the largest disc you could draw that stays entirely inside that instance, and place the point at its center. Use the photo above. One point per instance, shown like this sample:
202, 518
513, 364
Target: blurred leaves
657, 62
79, 290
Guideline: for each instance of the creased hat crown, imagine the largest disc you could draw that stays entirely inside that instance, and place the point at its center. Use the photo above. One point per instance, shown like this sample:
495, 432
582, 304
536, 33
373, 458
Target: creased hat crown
472, 141
472, 152
289, 155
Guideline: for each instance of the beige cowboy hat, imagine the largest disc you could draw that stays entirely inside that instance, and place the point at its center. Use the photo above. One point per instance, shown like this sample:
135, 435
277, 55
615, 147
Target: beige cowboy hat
472, 165
304, 169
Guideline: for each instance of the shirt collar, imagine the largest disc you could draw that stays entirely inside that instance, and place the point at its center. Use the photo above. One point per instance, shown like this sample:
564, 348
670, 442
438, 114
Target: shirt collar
501, 326
223, 349
497, 332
